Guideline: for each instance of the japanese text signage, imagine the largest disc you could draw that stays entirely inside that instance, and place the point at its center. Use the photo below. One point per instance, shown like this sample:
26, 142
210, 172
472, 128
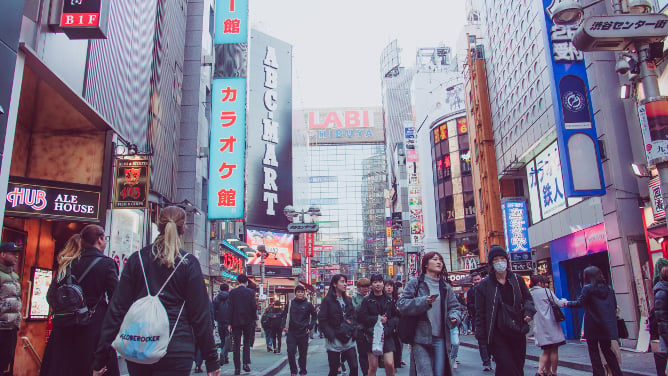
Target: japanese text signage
231, 22
414, 190
85, 19
546, 187
131, 183
231, 262
28, 198
516, 225
617, 32
227, 146
227, 150
656, 197
581, 169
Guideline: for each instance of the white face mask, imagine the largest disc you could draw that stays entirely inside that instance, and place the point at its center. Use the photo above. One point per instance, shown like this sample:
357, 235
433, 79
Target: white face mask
500, 266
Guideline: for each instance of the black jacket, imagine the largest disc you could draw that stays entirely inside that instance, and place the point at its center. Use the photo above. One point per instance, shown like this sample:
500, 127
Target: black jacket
302, 317
243, 309
70, 349
331, 318
661, 308
470, 301
373, 306
488, 300
221, 308
187, 285
600, 305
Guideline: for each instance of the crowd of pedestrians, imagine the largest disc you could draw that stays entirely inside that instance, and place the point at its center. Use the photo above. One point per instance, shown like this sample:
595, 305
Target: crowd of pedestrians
363, 334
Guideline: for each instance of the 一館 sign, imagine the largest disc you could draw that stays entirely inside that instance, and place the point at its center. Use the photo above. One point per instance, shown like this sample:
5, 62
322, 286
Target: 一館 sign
30, 198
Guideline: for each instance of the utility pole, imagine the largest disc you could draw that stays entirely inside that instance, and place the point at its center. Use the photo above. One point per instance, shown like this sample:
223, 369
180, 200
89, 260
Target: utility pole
263, 254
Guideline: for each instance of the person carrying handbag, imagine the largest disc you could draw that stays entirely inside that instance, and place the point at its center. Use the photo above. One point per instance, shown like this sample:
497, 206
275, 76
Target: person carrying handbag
547, 331
432, 305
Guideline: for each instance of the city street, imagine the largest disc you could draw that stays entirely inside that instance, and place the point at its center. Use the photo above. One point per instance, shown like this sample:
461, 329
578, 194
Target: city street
468, 357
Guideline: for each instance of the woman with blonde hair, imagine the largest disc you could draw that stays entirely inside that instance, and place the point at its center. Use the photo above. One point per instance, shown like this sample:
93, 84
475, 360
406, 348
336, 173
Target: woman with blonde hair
184, 297
71, 345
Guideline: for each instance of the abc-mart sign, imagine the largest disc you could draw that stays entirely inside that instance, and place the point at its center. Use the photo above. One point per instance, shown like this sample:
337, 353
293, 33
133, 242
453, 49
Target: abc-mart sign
51, 200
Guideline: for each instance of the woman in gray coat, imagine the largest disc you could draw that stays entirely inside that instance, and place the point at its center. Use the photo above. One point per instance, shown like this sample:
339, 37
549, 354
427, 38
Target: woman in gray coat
547, 331
433, 303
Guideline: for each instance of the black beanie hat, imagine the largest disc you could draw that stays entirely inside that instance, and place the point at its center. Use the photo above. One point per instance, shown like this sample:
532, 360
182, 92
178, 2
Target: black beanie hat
494, 251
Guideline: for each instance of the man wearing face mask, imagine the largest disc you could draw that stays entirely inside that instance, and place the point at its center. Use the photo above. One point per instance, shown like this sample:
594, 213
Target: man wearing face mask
503, 309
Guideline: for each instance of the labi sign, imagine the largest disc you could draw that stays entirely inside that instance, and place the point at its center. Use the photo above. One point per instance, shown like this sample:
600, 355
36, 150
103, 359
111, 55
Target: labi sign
28, 198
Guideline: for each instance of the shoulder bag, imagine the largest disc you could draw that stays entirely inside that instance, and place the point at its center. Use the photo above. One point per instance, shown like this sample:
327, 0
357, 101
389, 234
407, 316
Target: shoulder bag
556, 311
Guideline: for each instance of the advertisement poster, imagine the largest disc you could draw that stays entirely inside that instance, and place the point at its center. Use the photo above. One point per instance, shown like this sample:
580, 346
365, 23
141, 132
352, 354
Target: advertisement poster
131, 183
41, 280
653, 115
278, 245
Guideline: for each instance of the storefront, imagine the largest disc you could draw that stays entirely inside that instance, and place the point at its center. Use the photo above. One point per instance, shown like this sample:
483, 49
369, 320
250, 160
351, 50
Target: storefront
60, 179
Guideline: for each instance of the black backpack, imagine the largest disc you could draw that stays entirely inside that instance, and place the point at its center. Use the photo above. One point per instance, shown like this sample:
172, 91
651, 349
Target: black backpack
221, 310
68, 303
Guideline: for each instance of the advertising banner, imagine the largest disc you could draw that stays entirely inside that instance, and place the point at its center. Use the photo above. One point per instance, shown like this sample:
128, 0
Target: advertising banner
34, 198
40, 282
279, 245
131, 183
414, 191
656, 197
269, 151
653, 115
581, 168
546, 187
516, 226
413, 265
228, 111
345, 126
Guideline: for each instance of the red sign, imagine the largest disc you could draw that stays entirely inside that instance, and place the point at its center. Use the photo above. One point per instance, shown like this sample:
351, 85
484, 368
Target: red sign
340, 119
85, 19
310, 238
231, 262
462, 127
79, 19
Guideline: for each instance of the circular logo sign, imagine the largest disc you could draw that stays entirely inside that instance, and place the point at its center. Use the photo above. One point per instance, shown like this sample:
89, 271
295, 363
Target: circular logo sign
574, 101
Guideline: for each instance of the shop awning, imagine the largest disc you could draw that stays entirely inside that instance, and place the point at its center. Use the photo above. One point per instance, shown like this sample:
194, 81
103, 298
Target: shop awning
657, 230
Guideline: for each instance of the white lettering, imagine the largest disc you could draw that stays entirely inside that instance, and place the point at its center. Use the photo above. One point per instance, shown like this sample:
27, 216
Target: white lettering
270, 198
92, 19
69, 20
270, 98
270, 179
270, 131
270, 78
270, 58
270, 155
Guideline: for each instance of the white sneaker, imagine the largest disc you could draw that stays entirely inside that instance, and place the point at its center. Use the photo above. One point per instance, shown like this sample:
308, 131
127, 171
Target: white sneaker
454, 364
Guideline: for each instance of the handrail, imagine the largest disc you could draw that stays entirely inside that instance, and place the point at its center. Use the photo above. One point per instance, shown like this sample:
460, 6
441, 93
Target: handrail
26, 344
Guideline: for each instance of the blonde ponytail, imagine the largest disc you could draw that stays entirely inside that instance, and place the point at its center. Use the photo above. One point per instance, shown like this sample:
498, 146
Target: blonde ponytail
70, 252
171, 224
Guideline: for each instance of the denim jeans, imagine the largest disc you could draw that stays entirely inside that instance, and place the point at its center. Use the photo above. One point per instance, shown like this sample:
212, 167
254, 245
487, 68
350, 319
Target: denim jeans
269, 337
454, 341
439, 355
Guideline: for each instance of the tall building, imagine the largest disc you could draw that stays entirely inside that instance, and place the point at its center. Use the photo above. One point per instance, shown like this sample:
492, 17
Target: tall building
346, 170
559, 236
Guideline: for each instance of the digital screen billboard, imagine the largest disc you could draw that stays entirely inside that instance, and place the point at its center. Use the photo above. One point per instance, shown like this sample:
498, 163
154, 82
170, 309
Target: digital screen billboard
280, 247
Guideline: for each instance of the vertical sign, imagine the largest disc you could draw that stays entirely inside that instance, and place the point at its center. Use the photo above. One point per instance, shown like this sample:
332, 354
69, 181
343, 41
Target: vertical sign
227, 146
413, 265
653, 113
414, 192
576, 130
308, 246
516, 228
656, 197
131, 183
269, 132
85, 19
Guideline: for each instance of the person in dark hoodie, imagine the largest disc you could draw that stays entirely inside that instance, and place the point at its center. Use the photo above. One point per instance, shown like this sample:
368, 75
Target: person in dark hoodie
660, 354
299, 317
221, 309
503, 309
600, 321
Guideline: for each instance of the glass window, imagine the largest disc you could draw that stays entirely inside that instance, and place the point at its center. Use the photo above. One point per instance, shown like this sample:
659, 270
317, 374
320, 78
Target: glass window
436, 136
444, 131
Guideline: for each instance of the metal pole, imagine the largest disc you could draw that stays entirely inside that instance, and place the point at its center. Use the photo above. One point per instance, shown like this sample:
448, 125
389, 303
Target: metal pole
262, 249
650, 87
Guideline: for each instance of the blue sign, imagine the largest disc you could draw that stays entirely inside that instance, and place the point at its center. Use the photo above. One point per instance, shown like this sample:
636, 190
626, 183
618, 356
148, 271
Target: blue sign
227, 148
516, 226
576, 130
231, 22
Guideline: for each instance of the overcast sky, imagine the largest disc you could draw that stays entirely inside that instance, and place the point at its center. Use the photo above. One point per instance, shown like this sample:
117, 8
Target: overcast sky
337, 44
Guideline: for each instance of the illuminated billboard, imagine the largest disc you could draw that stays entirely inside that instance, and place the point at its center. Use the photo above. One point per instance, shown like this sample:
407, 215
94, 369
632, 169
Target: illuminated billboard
344, 126
279, 245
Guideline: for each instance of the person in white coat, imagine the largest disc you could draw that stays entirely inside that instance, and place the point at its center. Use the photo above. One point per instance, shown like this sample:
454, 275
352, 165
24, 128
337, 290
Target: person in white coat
548, 334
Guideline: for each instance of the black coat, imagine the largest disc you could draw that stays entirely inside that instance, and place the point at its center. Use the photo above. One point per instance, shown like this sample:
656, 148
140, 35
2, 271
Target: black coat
186, 285
243, 309
372, 306
221, 308
487, 303
600, 307
70, 350
302, 317
331, 318
470, 301
661, 308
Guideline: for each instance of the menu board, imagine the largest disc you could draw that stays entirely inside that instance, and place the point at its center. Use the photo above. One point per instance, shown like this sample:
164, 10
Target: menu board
41, 280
